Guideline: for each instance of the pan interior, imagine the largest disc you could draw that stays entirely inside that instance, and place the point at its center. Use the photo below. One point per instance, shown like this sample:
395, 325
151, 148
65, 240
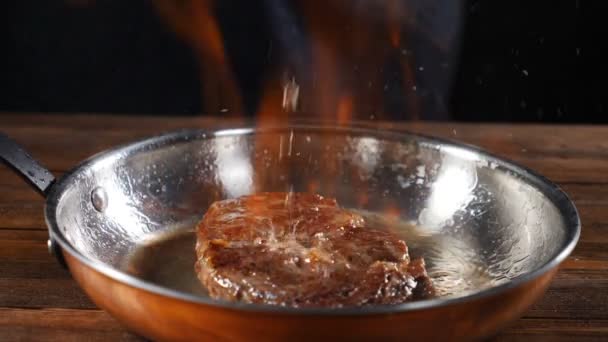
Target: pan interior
477, 221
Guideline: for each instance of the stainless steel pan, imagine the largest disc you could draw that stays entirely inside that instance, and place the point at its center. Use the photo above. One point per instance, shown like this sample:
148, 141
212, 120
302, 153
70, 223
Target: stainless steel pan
492, 233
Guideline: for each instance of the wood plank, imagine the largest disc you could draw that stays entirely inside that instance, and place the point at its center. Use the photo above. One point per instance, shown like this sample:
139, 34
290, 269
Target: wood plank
61, 325
548, 137
575, 293
571, 302
117, 122
555, 330
560, 153
587, 194
63, 148
114, 122
31, 277
42, 293
22, 215
23, 245
33, 269
14, 188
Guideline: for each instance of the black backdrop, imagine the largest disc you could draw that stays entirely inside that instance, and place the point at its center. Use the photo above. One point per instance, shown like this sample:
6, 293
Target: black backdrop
520, 60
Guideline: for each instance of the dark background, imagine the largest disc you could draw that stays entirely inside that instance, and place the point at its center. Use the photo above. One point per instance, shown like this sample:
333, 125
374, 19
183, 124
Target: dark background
519, 60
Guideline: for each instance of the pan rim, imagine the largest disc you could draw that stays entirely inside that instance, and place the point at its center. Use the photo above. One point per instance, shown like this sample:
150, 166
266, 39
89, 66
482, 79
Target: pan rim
549, 189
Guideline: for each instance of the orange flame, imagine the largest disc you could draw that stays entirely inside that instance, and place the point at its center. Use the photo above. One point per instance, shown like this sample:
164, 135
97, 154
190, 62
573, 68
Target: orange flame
348, 49
195, 23
345, 109
348, 53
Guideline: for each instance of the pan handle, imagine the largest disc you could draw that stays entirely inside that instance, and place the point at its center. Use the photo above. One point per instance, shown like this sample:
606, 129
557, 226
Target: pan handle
25, 166
35, 174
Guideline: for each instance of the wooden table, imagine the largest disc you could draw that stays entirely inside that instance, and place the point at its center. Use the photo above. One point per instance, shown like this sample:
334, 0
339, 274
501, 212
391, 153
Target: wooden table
39, 300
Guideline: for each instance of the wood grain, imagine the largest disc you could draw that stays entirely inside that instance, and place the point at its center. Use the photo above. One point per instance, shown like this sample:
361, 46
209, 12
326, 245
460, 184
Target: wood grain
558, 152
39, 299
556, 330
60, 325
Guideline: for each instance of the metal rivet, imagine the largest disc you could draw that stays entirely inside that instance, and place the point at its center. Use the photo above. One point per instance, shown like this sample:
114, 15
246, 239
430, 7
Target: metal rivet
99, 198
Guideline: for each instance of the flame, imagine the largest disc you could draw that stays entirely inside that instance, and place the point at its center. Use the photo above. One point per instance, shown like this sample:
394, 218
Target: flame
271, 110
362, 199
348, 49
392, 211
194, 22
313, 187
395, 13
330, 95
350, 43
344, 78
393, 9
345, 109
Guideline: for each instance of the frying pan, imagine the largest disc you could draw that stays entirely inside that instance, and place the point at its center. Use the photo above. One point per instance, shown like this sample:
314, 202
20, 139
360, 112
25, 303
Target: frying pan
492, 233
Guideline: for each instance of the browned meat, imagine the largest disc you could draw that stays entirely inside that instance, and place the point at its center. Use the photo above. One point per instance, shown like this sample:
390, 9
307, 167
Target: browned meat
302, 250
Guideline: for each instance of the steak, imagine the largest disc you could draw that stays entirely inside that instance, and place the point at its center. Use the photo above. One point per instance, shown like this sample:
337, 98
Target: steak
302, 250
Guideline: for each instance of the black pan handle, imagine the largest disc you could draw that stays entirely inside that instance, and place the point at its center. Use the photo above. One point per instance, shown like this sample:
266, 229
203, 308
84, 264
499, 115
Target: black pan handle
20, 161
35, 174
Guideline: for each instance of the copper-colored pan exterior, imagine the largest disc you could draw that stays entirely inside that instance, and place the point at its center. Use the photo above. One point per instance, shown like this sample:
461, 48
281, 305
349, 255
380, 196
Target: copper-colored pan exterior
164, 318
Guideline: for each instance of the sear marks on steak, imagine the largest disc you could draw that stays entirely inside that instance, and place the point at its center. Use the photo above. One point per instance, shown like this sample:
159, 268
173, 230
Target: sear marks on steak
302, 250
